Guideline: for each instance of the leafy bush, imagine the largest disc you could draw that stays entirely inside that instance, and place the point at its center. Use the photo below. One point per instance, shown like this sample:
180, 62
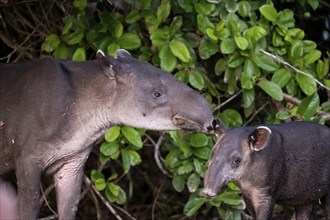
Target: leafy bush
246, 54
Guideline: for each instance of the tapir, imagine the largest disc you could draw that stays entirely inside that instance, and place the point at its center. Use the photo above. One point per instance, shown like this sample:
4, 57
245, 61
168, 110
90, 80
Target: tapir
287, 163
52, 111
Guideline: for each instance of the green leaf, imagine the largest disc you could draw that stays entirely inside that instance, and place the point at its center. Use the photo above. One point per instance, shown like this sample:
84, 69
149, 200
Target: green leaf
193, 182
109, 148
312, 56
297, 49
231, 118
246, 81
129, 41
118, 31
100, 184
193, 205
241, 42
51, 42
271, 89
74, 38
281, 77
198, 140
133, 17
227, 46
95, 175
204, 23
207, 48
269, 12
202, 153
313, 3
230, 198
196, 79
126, 160
282, 115
180, 50
81, 4
121, 198
244, 8
220, 66
198, 166
178, 183
112, 134
185, 168
265, 62
163, 10
204, 8
134, 157
160, 36
248, 97
250, 68
61, 52
79, 54
114, 189
235, 60
309, 106
285, 18
307, 85
132, 136
167, 60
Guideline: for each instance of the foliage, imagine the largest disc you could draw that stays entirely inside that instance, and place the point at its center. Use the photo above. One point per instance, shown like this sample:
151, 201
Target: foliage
216, 48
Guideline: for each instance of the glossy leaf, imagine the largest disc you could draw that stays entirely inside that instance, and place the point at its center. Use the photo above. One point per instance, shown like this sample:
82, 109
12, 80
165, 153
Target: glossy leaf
269, 12
167, 60
312, 56
193, 205
79, 55
271, 89
178, 183
109, 148
129, 41
231, 118
244, 8
281, 77
241, 42
132, 136
198, 140
227, 46
100, 184
307, 85
163, 11
265, 62
207, 48
196, 79
180, 50
112, 134
193, 182
309, 106
126, 160
51, 42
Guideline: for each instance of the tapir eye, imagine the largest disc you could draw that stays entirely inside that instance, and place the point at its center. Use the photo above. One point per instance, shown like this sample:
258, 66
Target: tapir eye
157, 94
236, 162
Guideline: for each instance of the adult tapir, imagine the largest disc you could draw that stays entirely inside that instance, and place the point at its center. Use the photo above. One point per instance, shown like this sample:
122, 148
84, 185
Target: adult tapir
287, 164
52, 111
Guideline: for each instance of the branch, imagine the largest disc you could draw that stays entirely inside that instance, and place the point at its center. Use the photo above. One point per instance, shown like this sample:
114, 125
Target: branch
228, 100
292, 67
296, 101
105, 202
157, 154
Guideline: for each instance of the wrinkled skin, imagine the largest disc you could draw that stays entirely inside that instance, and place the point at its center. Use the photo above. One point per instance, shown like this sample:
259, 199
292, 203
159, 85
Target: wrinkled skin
287, 164
52, 112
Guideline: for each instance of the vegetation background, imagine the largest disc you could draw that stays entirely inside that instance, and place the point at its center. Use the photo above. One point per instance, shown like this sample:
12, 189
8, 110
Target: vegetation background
254, 61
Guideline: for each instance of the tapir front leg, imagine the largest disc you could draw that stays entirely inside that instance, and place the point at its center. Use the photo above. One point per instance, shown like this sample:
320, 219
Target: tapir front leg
68, 180
28, 180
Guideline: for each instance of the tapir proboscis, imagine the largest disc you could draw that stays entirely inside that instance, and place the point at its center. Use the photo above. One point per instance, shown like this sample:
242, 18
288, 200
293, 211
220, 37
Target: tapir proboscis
287, 164
52, 111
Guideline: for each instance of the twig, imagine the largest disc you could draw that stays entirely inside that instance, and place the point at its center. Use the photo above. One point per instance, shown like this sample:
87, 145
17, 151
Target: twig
105, 202
45, 199
296, 101
228, 100
292, 67
257, 112
49, 217
155, 201
157, 154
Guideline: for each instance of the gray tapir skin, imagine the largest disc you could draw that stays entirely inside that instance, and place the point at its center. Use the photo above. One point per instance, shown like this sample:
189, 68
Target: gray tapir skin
287, 164
52, 112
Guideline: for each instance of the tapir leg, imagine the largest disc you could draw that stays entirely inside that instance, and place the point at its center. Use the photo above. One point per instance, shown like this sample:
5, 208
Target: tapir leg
303, 212
327, 205
28, 179
68, 180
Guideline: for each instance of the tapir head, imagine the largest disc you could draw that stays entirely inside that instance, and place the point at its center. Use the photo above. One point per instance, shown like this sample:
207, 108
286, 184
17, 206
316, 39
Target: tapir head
147, 97
232, 156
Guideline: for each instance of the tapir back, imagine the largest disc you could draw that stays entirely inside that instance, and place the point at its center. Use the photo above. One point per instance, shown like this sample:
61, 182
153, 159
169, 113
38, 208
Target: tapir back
305, 153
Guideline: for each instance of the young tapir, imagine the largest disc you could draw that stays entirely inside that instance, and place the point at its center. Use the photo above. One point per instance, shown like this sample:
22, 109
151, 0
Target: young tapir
287, 164
52, 112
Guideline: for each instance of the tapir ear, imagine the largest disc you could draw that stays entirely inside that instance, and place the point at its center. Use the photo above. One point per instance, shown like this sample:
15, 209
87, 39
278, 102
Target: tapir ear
123, 53
107, 64
259, 138
219, 127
